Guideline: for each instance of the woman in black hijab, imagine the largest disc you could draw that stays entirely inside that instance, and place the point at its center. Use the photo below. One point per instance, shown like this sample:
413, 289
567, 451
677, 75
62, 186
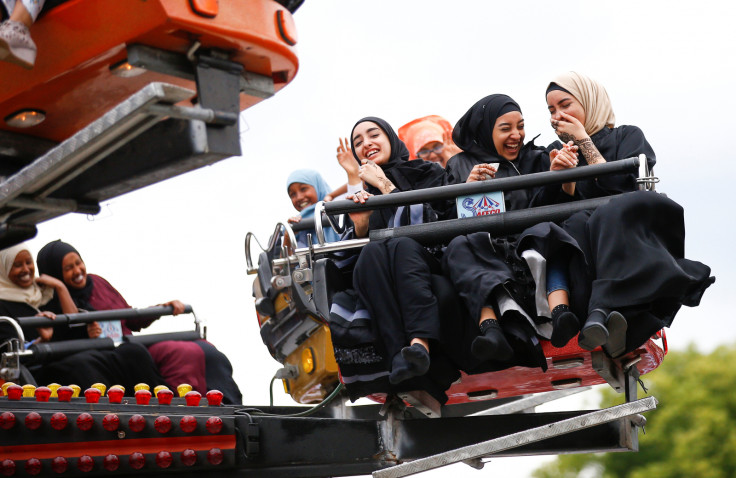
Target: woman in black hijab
486, 272
393, 277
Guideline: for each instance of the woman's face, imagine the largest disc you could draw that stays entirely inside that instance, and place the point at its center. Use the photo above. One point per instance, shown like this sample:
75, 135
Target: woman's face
370, 142
302, 195
562, 101
508, 134
23, 270
74, 271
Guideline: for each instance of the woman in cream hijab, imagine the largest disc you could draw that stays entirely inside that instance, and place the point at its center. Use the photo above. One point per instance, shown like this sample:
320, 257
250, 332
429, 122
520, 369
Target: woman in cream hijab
22, 295
583, 118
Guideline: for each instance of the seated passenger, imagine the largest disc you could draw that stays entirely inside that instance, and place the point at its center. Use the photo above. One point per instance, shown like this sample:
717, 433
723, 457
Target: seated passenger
22, 295
392, 277
197, 363
489, 276
610, 269
429, 138
16, 45
305, 188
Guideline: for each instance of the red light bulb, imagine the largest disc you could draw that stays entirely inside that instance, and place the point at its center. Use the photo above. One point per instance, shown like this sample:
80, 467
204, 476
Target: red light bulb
111, 422
137, 460
189, 457
92, 395
33, 421
214, 425
142, 397
42, 394
215, 456
137, 423
163, 459
192, 398
115, 395
85, 421
164, 397
85, 463
58, 421
188, 424
8, 467
214, 398
15, 392
65, 394
33, 466
162, 424
111, 462
7, 420
59, 464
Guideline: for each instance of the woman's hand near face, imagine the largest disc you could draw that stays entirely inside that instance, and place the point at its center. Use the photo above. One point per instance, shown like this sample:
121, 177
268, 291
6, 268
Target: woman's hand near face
94, 330
481, 172
347, 160
372, 174
450, 149
48, 281
568, 128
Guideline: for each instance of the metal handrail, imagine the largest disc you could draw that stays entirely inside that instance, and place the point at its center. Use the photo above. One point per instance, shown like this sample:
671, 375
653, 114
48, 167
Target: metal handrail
99, 316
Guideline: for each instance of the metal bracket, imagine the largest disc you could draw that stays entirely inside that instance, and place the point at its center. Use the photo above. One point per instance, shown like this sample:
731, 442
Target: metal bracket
515, 440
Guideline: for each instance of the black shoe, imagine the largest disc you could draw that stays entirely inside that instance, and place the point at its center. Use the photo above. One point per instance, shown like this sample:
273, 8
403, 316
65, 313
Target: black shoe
616, 325
565, 325
492, 343
412, 361
594, 333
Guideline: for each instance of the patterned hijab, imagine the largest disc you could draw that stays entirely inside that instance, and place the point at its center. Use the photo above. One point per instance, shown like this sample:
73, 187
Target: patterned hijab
35, 295
592, 96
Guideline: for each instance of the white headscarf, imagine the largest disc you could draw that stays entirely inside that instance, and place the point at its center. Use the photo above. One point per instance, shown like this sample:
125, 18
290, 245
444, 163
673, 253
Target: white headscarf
594, 98
35, 295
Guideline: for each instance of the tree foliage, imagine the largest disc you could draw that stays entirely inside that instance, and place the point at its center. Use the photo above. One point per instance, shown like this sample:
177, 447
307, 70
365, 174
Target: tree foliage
692, 433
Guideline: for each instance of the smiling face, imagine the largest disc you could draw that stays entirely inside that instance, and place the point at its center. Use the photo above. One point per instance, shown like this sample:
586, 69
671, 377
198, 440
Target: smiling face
302, 195
74, 271
23, 270
370, 142
508, 135
558, 101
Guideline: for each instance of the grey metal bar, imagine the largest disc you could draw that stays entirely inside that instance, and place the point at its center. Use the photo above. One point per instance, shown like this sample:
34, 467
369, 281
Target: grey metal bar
529, 402
321, 249
510, 222
89, 145
519, 439
56, 205
100, 316
501, 184
208, 115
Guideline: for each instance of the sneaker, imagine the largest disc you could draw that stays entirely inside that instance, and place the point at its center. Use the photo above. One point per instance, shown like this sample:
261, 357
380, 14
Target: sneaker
16, 45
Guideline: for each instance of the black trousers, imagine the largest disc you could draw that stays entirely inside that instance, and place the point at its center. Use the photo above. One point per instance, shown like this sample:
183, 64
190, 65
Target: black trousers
393, 280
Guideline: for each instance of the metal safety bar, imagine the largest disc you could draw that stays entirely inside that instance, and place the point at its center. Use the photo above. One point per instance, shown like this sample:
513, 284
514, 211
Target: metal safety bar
250, 269
518, 439
465, 189
100, 316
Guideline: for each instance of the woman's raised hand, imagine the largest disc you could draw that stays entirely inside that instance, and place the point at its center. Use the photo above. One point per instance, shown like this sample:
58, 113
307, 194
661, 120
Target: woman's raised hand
568, 128
481, 172
345, 157
450, 149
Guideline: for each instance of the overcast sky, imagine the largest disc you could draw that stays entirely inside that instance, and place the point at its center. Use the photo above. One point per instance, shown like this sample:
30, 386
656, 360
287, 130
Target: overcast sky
668, 68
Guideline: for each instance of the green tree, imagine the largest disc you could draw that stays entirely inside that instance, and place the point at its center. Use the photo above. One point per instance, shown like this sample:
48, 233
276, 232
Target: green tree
692, 433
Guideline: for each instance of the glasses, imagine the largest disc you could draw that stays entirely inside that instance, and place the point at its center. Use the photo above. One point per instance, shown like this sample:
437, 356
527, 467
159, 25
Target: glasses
423, 153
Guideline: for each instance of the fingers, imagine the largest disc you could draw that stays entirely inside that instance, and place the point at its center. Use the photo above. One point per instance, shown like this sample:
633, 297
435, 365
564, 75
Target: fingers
360, 196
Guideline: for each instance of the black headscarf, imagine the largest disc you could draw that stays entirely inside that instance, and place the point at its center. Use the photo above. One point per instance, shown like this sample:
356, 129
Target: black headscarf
473, 131
406, 175
49, 261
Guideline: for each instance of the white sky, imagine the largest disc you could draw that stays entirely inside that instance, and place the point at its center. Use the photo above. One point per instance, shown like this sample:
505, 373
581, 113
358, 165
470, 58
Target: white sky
668, 68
